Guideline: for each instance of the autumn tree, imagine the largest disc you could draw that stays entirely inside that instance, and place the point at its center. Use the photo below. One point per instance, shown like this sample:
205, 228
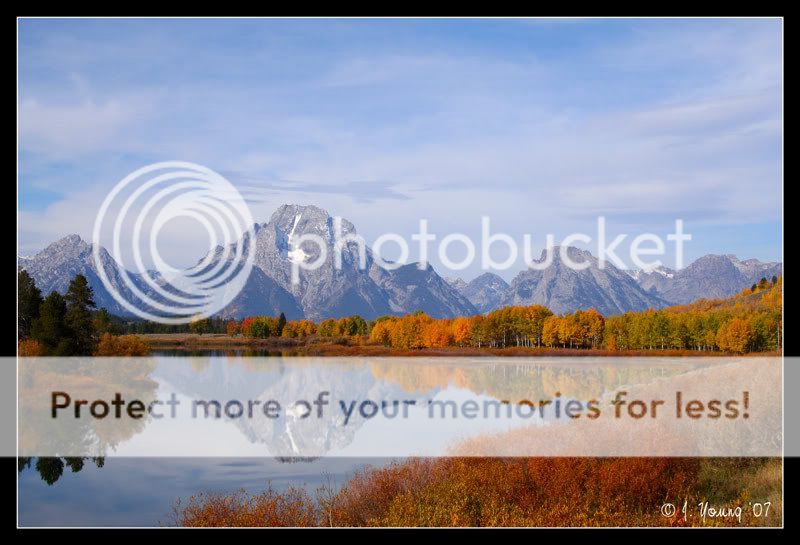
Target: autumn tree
200, 325
329, 328
407, 331
437, 334
232, 327
260, 326
29, 348
734, 336
352, 326
616, 332
535, 316
593, 326
478, 334
460, 330
381, 332
123, 345
550, 331
299, 329
738, 324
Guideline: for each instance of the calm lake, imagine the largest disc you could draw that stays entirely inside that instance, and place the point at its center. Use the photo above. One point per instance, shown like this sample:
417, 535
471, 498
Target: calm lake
134, 491
152, 464
142, 491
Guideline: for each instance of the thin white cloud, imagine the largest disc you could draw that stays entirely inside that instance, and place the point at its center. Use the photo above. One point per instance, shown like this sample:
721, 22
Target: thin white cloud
670, 118
64, 129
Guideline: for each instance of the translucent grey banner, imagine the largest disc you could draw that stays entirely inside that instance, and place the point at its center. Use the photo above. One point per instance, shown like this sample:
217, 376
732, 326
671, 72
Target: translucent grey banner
395, 407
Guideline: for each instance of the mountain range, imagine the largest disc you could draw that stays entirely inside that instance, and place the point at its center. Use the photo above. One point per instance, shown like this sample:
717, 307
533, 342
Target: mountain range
373, 291
708, 277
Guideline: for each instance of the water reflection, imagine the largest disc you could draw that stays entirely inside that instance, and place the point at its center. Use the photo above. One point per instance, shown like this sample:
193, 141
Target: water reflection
232, 353
373, 406
130, 491
142, 491
51, 468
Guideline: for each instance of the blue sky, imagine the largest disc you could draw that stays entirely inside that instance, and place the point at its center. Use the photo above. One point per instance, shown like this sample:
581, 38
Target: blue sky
539, 124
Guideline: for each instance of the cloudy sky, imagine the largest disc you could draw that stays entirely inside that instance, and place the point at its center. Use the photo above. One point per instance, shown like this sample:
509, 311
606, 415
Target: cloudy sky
541, 125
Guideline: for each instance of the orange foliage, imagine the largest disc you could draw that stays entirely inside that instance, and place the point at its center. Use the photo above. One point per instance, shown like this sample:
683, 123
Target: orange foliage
232, 328
125, 345
408, 331
478, 492
30, 348
734, 336
437, 334
382, 332
270, 509
749, 322
299, 329
460, 329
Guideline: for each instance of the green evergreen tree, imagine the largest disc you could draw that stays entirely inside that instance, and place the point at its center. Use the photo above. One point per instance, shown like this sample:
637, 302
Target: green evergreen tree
102, 322
49, 328
281, 324
79, 321
29, 299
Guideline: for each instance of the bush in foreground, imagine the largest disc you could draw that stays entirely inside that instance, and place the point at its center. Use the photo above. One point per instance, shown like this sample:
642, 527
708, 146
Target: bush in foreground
504, 492
124, 345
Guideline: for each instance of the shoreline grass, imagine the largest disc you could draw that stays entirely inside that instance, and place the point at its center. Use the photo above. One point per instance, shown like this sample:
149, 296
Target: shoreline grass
344, 346
513, 492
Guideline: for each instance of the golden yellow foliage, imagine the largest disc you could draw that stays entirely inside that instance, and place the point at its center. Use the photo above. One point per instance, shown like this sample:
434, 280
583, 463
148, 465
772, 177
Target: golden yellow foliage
124, 345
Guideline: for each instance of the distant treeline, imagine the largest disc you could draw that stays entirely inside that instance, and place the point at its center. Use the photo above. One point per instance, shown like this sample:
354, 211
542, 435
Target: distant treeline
129, 326
751, 321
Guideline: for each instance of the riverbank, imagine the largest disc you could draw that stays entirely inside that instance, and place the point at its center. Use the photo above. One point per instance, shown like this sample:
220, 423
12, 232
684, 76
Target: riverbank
344, 346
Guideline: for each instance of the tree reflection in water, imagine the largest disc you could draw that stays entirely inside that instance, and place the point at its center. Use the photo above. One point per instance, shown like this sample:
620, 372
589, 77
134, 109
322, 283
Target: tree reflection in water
50, 469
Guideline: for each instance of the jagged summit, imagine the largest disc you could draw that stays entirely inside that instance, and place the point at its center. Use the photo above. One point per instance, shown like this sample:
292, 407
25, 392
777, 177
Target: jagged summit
327, 291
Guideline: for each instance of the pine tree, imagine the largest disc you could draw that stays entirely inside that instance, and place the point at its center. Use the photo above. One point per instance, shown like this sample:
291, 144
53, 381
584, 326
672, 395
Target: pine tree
78, 319
29, 299
102, 322
49, 328
281, 324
